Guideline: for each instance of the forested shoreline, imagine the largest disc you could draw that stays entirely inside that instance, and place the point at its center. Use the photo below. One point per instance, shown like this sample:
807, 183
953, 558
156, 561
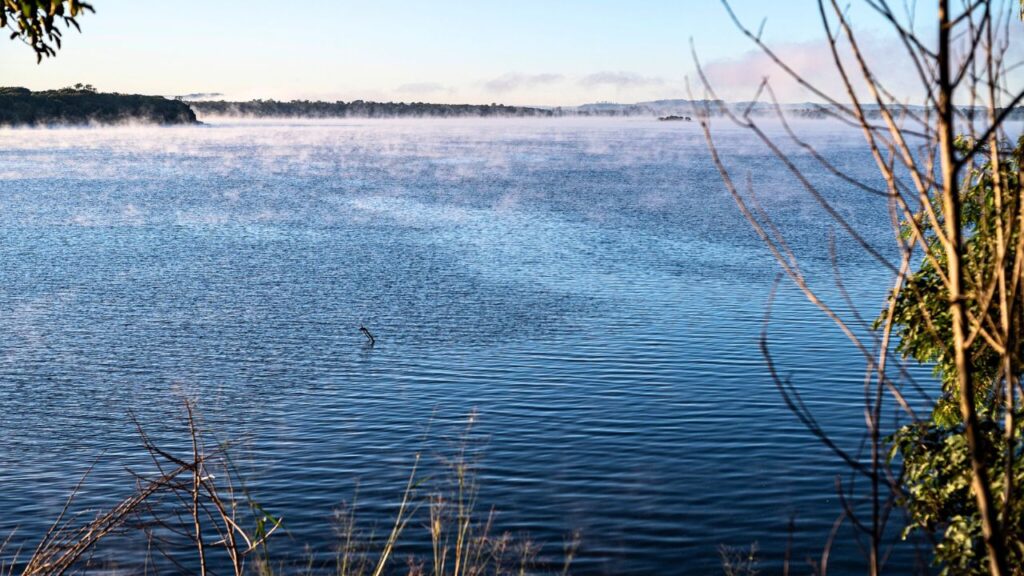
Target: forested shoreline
83, 105
359, 109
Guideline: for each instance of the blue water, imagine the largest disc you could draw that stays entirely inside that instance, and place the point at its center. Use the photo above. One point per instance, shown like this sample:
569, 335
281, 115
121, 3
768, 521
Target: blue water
585, 291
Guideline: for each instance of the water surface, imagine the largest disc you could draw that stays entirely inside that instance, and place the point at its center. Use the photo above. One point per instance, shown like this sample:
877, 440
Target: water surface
585, 290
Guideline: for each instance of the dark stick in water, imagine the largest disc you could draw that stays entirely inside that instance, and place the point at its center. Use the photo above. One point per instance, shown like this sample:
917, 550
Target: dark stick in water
366, 333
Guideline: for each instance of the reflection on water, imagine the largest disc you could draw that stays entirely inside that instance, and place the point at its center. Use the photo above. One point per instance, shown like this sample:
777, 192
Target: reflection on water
587, 287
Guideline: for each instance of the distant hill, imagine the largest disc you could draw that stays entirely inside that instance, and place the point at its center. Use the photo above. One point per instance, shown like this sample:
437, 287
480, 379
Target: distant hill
357, 109
83, 105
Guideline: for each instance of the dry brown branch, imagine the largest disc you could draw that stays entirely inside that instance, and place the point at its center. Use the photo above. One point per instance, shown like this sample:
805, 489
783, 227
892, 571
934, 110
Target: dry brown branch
66, 545
198, 506
919, 145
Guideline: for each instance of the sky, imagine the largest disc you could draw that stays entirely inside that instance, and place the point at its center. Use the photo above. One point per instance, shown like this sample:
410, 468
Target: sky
521, 52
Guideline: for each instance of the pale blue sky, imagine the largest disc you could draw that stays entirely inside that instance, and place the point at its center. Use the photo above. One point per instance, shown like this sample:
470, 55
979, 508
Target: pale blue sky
557, 52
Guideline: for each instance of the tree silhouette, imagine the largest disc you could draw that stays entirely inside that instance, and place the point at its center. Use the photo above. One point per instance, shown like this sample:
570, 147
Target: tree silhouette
36, 22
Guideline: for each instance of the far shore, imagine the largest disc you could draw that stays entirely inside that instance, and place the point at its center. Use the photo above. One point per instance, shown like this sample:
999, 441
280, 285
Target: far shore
82, 105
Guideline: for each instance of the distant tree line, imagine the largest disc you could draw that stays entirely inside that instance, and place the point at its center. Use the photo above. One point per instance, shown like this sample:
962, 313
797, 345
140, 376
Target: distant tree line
371, 109
359, 109
82, 104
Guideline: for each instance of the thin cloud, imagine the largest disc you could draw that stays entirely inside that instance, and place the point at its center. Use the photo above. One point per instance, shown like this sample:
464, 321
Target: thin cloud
737, 78
511, 82
620, 80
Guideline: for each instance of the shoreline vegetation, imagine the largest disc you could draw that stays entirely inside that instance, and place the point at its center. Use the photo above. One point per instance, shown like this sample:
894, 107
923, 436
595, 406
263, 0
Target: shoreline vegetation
196, 512
361, 109
83, 105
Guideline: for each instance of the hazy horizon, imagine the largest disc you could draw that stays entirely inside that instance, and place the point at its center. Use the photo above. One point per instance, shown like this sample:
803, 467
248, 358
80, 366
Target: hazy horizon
454, 51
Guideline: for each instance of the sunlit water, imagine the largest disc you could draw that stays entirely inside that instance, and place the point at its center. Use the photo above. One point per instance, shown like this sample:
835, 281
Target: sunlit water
587, 288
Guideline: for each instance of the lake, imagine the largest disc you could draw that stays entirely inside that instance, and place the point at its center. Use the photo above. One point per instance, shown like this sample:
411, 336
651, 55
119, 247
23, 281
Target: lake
585, 291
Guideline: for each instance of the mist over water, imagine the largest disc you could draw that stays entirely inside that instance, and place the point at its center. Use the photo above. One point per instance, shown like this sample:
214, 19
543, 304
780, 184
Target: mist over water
587, 288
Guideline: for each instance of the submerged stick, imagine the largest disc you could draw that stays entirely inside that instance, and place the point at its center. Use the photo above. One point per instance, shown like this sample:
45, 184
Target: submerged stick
366, 333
